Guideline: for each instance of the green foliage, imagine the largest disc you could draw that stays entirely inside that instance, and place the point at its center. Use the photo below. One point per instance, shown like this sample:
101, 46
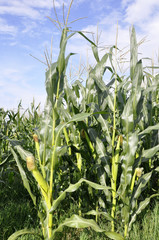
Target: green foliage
17, 211
101, 143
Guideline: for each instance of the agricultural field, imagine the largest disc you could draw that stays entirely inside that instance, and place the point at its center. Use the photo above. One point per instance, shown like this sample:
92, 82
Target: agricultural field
86, 167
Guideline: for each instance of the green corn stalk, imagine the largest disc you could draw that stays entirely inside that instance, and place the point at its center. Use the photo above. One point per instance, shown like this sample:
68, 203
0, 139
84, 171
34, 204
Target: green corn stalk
115, 162
49, 148
115, 156
67, 139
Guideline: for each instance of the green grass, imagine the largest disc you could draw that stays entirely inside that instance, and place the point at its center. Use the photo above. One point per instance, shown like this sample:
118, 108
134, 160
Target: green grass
147, 228
17, 211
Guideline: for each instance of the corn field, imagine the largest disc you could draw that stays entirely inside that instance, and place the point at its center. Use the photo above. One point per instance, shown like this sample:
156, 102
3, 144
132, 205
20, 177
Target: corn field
96, 144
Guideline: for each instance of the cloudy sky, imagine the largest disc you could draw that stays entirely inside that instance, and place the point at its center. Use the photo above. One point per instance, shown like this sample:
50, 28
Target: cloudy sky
25, 29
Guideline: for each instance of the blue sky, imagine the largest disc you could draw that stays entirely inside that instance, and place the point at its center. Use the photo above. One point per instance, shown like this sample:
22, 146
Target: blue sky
25, 29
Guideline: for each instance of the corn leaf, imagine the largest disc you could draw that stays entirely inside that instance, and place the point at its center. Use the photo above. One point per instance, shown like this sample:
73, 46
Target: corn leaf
78, 222
75, 118
83, 94
23, 232
58, 129
16, 144
136, 89
140, 187
105, 128
87, 38
95, 52
61, 58
133, 52
51, 79
100, 149
102, 159
150, 89
149, 153
22, 152
5, 160
23, 176
113, 235
70, 96
137, 78
110, 102
97, 73
74, 187
127, 117
149, 129
141, 207
127, 162
111, 57
157, 169
105, 214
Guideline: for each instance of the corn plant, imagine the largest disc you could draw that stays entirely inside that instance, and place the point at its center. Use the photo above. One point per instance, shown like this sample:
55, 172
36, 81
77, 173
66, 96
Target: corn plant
106, 130
118, 135
128, 152
17, 125
49, 144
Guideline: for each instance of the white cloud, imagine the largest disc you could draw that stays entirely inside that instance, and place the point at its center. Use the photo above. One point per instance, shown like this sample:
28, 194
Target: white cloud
46, 3
124, 3
14, 43
12, 93
29, 8
11, 74
141, 10
100, 5
32, 13
5, 28
29, 26
144, 15
14, 86
20, 10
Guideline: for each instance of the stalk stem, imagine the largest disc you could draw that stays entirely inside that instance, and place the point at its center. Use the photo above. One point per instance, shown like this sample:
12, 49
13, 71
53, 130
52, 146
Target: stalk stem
50, 222
114, 172
126, 230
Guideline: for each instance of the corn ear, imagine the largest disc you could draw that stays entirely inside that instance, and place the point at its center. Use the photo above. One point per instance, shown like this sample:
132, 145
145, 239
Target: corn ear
139, 172
43, 186
39, 178
41, 181
35, 137
31, 163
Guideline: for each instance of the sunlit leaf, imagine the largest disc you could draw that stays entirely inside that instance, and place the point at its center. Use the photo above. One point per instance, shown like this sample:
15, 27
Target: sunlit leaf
133, 51
95, 213
140, 187
23, 176
141, 207
23, 232
78, 222
127, 162
149, 129
149, 153
74, 187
